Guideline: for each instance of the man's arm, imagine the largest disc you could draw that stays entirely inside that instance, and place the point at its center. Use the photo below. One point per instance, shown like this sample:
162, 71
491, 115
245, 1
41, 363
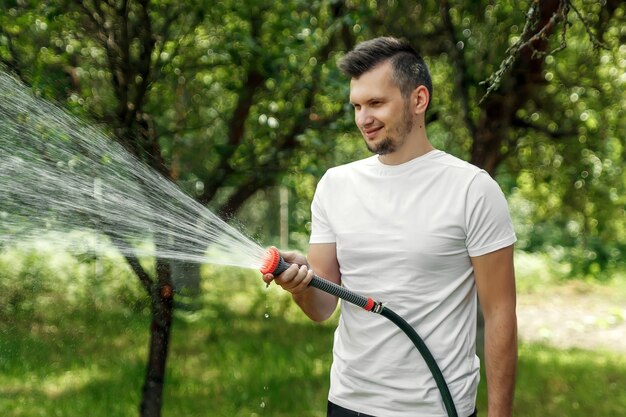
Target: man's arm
495, 283
322, 258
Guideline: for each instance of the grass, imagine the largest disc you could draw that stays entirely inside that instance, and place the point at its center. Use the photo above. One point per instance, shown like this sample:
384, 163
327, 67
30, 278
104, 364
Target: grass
92, 363
573, 383
72, 364
227, 359
224, 363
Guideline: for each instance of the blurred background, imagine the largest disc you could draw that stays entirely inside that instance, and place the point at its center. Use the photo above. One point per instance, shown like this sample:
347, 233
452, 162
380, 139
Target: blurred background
241, 105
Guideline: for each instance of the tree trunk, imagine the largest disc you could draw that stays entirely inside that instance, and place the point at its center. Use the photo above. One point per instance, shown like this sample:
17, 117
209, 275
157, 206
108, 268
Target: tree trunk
162, 309
493, 129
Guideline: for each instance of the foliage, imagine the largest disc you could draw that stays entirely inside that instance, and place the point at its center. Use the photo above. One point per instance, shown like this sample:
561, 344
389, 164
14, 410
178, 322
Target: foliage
571, 188
232, 88
243, 98
39, 277
230, 99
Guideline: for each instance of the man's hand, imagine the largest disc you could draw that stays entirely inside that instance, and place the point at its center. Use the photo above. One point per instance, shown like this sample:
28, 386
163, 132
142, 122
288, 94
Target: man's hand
294, 279
316, 304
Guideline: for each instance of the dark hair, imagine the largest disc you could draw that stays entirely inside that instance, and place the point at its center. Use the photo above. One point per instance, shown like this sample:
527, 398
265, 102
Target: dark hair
409, 68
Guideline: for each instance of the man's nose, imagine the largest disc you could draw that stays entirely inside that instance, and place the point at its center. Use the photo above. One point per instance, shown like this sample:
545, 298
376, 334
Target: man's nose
363, 118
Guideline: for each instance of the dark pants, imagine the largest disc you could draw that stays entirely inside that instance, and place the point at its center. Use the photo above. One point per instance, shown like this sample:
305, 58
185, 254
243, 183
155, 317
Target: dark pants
336, 411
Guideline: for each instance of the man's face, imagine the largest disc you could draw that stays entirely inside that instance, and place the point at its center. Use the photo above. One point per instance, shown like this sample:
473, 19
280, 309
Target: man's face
381, 113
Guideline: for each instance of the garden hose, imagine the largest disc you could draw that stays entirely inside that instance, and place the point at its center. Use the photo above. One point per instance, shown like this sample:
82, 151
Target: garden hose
274, 264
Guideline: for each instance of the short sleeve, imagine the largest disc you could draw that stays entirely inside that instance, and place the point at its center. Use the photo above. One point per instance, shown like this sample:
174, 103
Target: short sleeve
488, 222
321, 230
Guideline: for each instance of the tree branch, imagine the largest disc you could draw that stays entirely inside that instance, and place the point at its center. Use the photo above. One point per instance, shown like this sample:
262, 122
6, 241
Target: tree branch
597, 43
303, 121
530, 37
494, 80
288, 143
556, 134
499, 111
132, 260
13, 63
236, 125
461, 73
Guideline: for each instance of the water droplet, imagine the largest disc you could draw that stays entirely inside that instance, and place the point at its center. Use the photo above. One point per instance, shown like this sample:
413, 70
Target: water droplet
267, 316
262, 404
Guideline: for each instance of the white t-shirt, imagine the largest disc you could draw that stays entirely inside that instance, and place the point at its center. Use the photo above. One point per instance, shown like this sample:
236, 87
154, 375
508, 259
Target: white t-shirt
404, 236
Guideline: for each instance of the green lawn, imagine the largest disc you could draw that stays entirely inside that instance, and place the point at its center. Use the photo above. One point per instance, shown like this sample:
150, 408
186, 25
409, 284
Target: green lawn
227, 363
92, 363
570, 383
74, 343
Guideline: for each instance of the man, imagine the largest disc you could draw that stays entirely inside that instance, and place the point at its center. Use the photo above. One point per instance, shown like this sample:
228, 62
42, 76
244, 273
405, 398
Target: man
420, 230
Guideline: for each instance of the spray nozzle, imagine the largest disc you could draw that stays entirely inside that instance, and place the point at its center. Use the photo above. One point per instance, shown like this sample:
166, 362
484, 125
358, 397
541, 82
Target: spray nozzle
271, 261
274, 263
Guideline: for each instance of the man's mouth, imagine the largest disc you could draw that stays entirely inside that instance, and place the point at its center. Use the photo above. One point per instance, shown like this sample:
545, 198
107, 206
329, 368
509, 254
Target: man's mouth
371, 133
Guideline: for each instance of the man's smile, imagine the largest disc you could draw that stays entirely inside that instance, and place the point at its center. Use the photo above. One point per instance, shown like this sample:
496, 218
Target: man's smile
371, 132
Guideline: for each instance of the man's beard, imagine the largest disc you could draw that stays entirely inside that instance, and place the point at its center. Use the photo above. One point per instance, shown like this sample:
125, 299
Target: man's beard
386, 146
390, 144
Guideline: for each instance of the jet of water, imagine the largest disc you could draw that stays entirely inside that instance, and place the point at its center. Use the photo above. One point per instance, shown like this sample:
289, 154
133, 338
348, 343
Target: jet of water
59, 175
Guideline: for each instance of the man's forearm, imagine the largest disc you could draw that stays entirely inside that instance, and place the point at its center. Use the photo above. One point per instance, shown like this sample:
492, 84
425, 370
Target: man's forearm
316, 304
501, 363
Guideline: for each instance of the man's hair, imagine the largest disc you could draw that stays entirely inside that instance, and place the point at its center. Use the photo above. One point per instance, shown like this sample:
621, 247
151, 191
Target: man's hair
409, 68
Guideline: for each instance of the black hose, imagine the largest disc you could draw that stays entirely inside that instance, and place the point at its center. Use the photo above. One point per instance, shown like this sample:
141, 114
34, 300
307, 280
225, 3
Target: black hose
448, 402
376, 307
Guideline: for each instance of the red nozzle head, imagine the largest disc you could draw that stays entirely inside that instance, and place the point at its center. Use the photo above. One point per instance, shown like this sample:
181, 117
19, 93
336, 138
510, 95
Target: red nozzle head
271, 261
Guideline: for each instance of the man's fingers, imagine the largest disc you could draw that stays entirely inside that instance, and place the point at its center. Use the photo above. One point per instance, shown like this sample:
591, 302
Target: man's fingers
294, 257
287, 276
289, 256
294, 279
268, 278
292, 276
305, 280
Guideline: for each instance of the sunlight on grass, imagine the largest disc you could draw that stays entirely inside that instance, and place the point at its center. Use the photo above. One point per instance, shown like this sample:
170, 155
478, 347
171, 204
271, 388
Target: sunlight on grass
56, 385
246, 365
570, 382
238, 350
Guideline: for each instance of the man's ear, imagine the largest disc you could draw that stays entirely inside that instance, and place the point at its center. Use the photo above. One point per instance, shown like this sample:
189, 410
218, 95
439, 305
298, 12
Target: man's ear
420, 99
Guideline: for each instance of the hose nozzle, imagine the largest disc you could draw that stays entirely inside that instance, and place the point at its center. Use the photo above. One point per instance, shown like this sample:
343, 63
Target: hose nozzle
274, 263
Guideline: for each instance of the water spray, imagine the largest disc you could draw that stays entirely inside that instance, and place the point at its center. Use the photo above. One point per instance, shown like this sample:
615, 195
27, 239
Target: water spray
65, 181
275, 264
